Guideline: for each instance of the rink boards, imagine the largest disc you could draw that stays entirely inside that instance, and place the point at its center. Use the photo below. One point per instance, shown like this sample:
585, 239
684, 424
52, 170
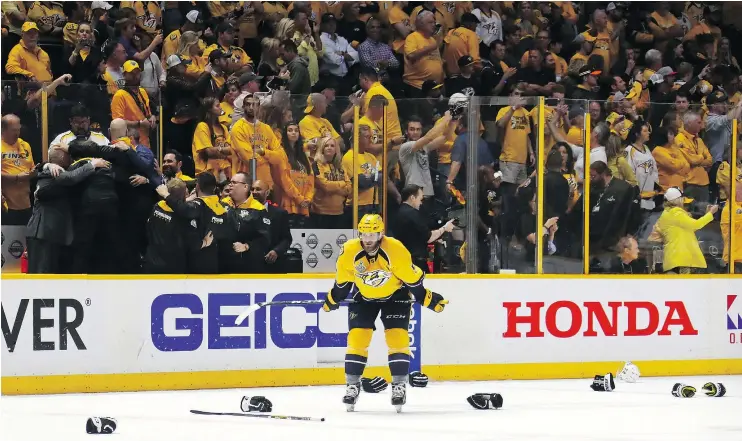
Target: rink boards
94, 334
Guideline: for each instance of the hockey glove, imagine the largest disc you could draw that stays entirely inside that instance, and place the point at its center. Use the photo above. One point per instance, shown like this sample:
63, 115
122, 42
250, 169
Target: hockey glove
603, 383
373, 385
256, 404
681, 390
100, 425
714, 389
485, 401
418, 379
434, 301
330, 303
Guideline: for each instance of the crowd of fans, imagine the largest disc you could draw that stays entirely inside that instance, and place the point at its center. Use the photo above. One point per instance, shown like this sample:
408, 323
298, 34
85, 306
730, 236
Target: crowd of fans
248, 105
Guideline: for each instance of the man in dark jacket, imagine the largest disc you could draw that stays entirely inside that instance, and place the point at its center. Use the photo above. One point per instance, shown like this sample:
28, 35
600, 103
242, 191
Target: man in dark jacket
50, 229
97, 224
299, 83
280, 233
171, 238
248, 238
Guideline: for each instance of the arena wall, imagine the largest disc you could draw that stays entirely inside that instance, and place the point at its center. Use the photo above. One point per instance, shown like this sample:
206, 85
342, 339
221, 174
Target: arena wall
97, 334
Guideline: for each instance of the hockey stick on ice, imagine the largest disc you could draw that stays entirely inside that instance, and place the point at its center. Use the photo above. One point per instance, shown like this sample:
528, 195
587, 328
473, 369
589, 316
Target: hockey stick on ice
259, 415
252, 308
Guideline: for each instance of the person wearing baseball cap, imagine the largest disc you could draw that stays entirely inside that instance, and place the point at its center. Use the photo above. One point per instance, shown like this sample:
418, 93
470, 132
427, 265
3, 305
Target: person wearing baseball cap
194, 22
586, 90
463, 82
460, 42
239, 60
131, 103
27, 58
677, 230
249, 84
219, 62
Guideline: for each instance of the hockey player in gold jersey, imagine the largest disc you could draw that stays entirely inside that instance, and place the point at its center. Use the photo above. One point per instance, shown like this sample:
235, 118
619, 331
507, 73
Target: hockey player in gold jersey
378, 272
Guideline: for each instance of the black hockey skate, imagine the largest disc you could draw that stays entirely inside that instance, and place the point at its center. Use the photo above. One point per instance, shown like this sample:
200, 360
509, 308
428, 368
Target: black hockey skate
352, 391
399, 395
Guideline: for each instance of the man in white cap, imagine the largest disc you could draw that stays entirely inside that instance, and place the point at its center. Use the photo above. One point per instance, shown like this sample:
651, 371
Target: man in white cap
193, 22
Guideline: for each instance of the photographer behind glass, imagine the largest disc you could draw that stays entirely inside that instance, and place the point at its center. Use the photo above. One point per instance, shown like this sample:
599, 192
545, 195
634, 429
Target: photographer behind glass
412, 227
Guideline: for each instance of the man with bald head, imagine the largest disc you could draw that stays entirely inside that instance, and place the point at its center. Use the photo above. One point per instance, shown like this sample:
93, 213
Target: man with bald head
313, 126
17, 171
422, 57
280, 233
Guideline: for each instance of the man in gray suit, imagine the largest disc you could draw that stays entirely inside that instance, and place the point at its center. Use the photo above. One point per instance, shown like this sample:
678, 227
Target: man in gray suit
49, 231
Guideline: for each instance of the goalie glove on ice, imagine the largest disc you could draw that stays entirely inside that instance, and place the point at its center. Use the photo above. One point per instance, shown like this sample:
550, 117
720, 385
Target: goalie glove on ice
373, 385
603, 383
418, 379
681, 390
485, 401
714, 389
100, 425
256, 404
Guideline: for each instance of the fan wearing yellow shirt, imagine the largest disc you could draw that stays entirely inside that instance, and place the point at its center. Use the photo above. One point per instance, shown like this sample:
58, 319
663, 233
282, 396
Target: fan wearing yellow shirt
557, 110
601, 37
240, 62
171, 43
212, 146
401, 24
378, 273
374, 120
369, 82
17, 167
366, 169
422, 59
149, 15
461, 42
441, 17
255, 140
313, 127
514, 120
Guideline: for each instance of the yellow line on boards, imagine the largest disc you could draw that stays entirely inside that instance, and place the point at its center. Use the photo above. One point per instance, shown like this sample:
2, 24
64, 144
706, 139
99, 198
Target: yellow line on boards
57, 384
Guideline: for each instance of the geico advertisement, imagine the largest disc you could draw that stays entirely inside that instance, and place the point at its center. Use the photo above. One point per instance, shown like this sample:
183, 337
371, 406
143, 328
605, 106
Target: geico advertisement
177, 325
567, 320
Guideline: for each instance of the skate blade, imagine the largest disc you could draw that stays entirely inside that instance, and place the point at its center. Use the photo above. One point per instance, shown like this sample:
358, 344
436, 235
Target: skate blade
350, 407
398, 408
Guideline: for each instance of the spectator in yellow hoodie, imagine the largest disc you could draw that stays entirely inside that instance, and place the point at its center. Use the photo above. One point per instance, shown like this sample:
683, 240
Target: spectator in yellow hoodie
297, 181
672, 166
677, 230
726, 222
332, 185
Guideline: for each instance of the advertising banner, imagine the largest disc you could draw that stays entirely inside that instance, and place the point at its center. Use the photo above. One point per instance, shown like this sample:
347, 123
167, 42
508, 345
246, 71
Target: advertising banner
319, 248
99, 326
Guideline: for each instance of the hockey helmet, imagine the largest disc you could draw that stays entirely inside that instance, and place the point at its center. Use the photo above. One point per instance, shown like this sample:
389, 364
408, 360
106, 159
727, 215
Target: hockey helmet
457, 104
371, 223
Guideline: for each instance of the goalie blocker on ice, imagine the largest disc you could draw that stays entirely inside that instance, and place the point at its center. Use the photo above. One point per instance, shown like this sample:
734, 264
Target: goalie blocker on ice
381, 270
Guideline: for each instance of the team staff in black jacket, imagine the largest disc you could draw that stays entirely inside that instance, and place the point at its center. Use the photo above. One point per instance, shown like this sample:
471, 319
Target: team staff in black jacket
209, 215
171, 238
50, 230
249, 233
98, 245
280, 232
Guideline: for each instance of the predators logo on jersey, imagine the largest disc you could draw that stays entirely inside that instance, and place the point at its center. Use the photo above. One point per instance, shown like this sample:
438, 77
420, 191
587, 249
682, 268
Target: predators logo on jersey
377, 277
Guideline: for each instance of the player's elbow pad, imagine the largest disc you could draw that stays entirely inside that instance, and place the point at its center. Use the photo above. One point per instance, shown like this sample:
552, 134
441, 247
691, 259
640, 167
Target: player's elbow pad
340, 291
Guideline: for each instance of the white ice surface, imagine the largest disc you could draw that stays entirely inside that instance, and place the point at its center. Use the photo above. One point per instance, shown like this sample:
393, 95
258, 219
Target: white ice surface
533, 410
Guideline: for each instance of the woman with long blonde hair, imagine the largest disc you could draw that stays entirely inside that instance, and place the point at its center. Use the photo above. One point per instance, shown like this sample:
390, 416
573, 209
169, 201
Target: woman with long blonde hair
617, 162
332, 185
190, 49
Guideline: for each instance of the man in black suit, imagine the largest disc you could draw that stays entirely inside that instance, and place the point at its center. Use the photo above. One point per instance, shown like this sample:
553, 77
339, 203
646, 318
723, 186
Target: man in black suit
280, 232
50, 230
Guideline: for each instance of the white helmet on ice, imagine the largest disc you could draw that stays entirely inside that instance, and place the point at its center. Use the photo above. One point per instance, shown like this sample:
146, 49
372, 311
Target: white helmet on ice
629, 374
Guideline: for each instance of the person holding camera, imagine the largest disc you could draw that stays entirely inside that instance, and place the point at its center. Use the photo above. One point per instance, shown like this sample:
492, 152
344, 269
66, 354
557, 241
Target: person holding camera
412, 227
